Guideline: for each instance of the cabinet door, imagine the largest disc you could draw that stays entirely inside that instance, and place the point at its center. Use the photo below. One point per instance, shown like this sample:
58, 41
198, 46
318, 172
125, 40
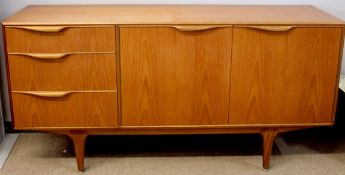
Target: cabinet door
171, 76
284, 77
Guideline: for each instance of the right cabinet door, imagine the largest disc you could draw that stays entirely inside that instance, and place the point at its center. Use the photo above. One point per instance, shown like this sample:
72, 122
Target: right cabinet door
284, 76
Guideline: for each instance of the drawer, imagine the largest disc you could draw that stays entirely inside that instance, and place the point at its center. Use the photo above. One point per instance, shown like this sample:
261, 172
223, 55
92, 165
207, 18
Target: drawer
43, 39
56, 72
65, 109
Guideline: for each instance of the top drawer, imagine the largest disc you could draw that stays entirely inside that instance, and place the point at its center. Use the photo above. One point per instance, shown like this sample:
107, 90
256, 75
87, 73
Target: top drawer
52, 39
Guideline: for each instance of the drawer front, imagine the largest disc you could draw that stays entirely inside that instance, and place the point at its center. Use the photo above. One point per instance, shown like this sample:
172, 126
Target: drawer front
66, 72
284, 75
51, 39
76, 109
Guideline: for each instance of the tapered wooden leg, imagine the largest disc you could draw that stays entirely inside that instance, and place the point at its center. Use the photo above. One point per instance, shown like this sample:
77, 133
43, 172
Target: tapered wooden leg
79, 146
268, 136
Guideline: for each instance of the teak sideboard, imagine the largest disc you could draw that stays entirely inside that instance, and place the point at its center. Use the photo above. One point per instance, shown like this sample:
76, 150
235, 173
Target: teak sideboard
86, 70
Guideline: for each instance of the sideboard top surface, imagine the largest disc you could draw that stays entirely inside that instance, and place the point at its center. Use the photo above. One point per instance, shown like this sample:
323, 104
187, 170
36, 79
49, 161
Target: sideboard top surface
171, 14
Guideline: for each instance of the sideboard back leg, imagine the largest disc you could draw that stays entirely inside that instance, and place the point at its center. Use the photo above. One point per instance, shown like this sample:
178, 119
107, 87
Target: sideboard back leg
79, 146
268, 136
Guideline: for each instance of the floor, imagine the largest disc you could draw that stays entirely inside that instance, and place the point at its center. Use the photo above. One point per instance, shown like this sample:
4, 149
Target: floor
6, 146
312, 151
315, 151
342, 82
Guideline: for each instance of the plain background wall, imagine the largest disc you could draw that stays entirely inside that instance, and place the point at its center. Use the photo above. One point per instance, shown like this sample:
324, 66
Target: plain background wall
9, 7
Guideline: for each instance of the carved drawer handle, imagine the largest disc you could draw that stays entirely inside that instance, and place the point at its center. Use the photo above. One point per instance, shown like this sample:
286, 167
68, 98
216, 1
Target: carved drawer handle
192, 28
272, 28
56, 94
49, 29
45, 93
44, 56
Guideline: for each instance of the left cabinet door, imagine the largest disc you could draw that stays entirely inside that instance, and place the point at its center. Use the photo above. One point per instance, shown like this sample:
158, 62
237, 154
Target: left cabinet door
175, 75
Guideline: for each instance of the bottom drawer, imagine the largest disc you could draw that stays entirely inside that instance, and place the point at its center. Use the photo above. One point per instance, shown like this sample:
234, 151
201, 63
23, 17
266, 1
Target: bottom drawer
79, 109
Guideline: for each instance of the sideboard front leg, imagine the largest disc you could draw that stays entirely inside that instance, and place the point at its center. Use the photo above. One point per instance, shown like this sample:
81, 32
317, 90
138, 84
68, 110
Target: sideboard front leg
268, 136
79, 146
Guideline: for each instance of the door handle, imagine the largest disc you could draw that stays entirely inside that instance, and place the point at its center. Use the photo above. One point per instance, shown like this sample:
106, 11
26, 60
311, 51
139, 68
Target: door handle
194, 28
271, 28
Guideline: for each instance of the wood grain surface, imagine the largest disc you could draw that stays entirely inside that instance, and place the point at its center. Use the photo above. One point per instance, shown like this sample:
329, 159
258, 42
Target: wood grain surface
96, 109
70, 39
171, 77
170, 14
72, 72
284, 77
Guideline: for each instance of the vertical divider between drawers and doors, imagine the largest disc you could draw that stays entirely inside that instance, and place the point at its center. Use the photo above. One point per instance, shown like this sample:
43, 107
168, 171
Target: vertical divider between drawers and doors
232, 50
118, 75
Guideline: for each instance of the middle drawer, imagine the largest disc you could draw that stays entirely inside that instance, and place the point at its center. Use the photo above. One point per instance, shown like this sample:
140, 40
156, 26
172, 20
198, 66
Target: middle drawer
54, 72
